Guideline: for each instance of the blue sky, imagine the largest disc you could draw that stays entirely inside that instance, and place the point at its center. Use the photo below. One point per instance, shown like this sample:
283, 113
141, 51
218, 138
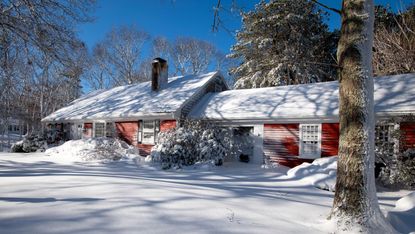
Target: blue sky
175, 18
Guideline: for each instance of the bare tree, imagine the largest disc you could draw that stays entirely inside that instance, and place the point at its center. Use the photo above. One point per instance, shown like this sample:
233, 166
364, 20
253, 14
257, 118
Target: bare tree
191, 56
161, 47
394, 44
39, 36
120, 54
100, 74
47, 25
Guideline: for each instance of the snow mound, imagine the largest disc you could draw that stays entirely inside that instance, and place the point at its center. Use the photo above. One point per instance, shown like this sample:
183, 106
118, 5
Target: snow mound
321, 173
403, 216
96, 149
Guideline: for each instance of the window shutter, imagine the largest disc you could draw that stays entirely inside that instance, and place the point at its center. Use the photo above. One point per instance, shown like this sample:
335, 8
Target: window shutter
140, 132
156, 129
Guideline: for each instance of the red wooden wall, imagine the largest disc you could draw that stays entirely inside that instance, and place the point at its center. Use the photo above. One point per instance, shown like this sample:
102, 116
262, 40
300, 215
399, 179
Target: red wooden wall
127, 131
167, 124
408, 132
281, 143
329, 139
88, 130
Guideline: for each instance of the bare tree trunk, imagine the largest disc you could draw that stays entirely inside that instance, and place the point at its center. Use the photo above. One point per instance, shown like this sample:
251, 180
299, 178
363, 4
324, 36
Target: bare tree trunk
355, 203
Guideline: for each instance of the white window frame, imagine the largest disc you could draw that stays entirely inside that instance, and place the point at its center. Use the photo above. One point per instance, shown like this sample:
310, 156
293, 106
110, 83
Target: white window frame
153, 131
79, 128
391, 139
304, 155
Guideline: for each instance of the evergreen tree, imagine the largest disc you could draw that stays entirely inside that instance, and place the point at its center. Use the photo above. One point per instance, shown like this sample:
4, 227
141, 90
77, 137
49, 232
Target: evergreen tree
284, 42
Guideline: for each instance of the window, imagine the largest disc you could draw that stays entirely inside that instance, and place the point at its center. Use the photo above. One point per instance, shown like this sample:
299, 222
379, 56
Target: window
109, 129
78, 131
384, 140
310, 141
148, 131
99, 130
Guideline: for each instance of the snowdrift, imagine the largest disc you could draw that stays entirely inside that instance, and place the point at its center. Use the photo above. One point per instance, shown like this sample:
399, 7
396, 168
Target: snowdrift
403, 216
97, 149
321, 173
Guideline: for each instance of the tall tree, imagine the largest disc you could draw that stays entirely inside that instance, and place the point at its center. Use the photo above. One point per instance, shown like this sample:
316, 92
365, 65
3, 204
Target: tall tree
46, 25
355, 205
39, 36
280, 43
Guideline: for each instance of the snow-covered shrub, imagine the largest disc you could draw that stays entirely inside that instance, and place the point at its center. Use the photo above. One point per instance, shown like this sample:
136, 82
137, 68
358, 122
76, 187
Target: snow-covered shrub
192, 142
396, 168
30, 143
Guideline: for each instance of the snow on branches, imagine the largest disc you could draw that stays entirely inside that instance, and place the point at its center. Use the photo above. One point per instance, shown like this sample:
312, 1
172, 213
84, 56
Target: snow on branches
281, 43
193, 142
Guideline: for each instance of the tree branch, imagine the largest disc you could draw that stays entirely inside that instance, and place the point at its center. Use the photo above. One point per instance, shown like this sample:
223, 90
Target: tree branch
327, 7
216, 18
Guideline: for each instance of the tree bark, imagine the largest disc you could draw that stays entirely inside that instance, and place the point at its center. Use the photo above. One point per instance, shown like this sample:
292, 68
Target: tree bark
355, 203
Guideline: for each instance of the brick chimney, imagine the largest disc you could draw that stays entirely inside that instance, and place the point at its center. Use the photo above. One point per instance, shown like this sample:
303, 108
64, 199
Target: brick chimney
159, 74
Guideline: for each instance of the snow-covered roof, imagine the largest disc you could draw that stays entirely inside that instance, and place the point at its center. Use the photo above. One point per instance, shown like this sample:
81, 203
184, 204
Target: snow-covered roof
393, 95
133, 101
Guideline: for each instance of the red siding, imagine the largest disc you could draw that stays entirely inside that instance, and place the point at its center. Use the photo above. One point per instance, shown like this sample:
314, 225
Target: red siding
144, 149
281, 143
329, 139
87, 130
127, 131
167, 124
408, 132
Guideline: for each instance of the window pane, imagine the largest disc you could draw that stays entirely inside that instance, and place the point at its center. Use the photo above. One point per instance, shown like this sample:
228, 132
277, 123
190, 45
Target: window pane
148, 131
99, 129
310, 140
384, 142
109, 130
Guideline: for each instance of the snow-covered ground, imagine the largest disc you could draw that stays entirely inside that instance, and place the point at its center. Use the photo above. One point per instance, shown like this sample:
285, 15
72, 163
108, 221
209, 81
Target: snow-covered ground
39, 194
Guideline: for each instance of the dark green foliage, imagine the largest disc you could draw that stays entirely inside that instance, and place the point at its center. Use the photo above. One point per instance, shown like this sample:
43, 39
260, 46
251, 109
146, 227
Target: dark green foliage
284, 42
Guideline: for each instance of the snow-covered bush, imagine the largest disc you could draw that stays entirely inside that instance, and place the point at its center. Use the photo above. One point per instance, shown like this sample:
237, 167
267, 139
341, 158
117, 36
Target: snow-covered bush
397, 168
93, 149
30, 143
193, 142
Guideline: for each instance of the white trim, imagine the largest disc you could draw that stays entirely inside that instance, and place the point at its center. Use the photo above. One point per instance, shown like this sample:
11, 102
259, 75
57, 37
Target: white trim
148, 131
301, 149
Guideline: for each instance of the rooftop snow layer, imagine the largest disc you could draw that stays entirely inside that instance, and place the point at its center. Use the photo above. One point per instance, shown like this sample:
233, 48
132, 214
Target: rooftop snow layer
132, 100
393, 95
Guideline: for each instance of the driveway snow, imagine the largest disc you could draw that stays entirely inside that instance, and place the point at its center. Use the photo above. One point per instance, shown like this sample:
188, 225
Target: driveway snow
41, 195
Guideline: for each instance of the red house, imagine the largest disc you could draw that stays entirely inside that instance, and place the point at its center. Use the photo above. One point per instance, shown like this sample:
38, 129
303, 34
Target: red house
298, 123
136, 113
286, 124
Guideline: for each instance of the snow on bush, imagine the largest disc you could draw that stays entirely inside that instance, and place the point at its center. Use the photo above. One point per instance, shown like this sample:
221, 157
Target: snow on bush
30, 143
403, 216
321, 173
107, 149
193, 142
397, 170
